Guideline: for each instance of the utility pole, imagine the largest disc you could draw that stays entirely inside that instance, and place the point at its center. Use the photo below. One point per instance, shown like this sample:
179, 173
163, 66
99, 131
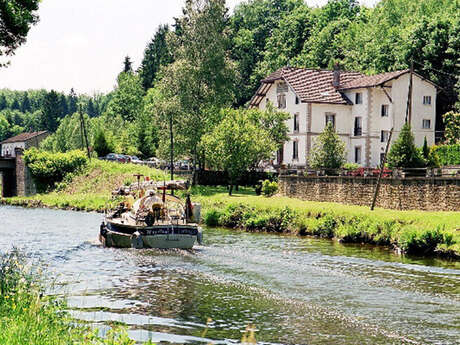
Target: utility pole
172, 149
377, 188
409, 96
83, 129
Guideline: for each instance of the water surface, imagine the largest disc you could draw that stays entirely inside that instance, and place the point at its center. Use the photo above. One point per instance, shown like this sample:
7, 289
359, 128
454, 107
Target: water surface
293, 290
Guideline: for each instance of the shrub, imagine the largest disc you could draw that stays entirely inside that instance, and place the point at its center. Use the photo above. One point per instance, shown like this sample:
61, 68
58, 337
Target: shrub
351, 166
48, 168
269, 188
447, 154
325, 227
404, 153
211, 218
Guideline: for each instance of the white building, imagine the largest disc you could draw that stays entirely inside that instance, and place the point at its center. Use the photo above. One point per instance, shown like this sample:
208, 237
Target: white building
22, 141
362, 108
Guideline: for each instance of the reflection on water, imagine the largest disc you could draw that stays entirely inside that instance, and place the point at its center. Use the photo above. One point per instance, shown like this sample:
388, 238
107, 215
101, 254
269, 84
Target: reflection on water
295, 290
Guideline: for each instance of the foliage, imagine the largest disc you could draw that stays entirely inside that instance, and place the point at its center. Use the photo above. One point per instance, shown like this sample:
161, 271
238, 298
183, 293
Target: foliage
201, 80
237, 143
269, 188
27, 316
101, 146
345, 222
156, 55
51, 112
16, 18
403, 152
328, 150
447, 154
127, 97
351, 166
452, 123
48, 168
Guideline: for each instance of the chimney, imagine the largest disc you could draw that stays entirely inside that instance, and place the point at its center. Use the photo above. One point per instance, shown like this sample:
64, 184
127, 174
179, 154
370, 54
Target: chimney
336, 77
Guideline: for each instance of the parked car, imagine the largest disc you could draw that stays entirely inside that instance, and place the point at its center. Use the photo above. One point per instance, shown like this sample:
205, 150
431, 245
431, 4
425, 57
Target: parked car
153, 162
134, 160
115, 157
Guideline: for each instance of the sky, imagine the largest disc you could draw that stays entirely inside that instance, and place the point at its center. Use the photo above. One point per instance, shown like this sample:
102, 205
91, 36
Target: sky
82, 44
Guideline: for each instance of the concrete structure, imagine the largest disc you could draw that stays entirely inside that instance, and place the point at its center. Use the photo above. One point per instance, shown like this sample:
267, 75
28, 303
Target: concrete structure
23, 141
362, 108
16, 179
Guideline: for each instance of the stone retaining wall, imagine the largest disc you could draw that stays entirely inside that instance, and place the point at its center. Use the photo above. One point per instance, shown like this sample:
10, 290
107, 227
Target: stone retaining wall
431, 194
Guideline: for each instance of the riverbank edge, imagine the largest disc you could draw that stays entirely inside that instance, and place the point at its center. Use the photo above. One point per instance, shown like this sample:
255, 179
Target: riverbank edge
398, 234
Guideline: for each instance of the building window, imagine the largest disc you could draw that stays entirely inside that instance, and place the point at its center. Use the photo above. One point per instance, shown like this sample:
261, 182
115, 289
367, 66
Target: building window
296, 122
358, 154
426, 124
382, 157
281, 101
295, 149
297, 100
384, 135
427, 100
384, 111
330, 118
358, 131
359, 98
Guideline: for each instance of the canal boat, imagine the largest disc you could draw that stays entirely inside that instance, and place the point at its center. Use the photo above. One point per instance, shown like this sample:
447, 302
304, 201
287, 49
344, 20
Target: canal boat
155, 220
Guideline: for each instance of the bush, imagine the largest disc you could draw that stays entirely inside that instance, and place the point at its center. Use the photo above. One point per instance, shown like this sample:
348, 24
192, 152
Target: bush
447, 154
351, 166
49, 168
211, 218
404, 153
269, 188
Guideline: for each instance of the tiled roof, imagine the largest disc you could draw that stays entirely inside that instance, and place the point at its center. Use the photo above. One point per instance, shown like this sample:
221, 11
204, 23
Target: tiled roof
315, 86
22, 137
372, 80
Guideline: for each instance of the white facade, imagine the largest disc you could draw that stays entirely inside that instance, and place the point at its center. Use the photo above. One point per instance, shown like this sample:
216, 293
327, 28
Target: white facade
369, 141
8, 149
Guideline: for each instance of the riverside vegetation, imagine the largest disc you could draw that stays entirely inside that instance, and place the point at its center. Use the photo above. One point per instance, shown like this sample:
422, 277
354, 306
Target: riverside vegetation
417, 232
28, 316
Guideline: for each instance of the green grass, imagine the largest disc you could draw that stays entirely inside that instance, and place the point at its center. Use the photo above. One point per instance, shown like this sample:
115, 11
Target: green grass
90, 190
28, 316
418, 232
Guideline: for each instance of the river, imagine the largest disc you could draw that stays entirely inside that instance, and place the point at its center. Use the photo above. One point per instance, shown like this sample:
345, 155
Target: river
293, 290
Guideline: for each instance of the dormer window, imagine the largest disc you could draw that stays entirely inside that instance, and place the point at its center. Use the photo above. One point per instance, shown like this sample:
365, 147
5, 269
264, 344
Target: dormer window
358, 98
427, 100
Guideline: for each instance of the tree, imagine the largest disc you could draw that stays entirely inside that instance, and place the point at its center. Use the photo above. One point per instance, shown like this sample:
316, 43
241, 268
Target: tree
90, 109
15, 105
202, 78
452, 126
156, 55
127, 97
51, 112
3, 103
101, 146
16, 18
72, 101
403, 153
425, 150
127, 65
25, 103
63, 106
328, 150
237, 143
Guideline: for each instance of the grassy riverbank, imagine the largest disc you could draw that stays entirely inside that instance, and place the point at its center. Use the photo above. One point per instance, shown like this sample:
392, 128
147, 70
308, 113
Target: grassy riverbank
418, 232
28, 316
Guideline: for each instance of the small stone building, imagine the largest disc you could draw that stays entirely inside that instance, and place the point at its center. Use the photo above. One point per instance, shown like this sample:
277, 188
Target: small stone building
22, 141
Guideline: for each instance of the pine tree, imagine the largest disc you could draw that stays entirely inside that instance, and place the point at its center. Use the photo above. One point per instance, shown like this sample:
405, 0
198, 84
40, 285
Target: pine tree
51, 111
15, 105
90, 110
156, 55
426, 150
25, 103
63, 106
403, 152
73, 99
101, 146
3, 103
328, 150
127, 65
